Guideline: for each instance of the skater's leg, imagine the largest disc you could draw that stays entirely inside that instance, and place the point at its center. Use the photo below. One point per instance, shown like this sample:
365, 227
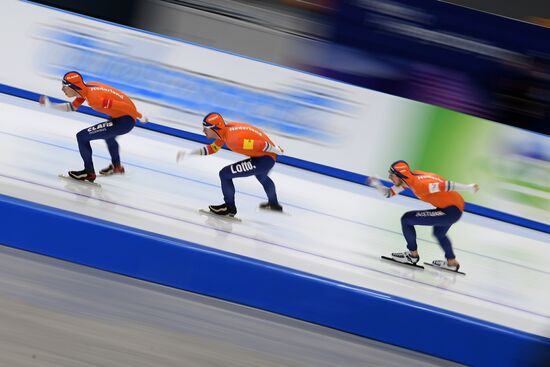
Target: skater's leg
83, 138
263, 166
228, 188
243, 168
452, 215
248, 167
121, 125
433, 217
103, 130
408, 222
112, 146
440, 219
440, 233
115, 167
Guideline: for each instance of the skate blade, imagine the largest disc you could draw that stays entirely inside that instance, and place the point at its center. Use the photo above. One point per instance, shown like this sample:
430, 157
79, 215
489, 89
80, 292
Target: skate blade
400, 263
112, 174
285, 213
69, 178
447, 270
222, 217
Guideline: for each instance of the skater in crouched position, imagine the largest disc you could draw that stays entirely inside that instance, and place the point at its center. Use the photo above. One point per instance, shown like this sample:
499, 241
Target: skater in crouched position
247, 140
104, 99
433, 189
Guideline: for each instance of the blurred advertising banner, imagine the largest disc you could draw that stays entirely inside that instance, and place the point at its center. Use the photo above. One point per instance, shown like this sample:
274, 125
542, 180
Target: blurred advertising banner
312, 118
442, 54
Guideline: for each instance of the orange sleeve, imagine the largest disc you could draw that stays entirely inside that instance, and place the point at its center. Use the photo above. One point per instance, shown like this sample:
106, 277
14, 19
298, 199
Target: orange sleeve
394, 190
214, 147
77, 103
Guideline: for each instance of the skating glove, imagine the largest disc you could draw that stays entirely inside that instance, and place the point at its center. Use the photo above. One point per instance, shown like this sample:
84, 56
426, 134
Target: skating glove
184, 154
375, 182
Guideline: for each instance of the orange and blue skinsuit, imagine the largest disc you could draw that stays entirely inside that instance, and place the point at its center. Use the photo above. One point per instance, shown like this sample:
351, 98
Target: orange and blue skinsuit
434, 189
248, 140
110, 101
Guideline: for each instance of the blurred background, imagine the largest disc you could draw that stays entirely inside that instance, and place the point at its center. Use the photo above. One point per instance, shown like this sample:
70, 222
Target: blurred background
449, 54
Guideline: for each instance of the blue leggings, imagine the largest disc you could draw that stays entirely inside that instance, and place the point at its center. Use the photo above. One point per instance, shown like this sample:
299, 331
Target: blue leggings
107, 130
256, 166
440, 219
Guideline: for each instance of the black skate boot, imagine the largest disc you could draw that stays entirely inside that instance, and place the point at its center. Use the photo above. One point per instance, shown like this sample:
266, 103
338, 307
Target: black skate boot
223, 210
112, 169
82, 175
271, 206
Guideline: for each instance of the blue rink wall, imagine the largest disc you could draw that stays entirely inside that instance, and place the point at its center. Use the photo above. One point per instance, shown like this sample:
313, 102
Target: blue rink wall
184, 265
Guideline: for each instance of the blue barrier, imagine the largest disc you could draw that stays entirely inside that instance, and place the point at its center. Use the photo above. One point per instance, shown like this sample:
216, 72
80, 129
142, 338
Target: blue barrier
295, 162
185, 265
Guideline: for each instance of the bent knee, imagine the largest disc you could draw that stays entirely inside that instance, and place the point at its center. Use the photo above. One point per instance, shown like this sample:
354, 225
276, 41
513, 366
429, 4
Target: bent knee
407, 217
225, 173
82, 135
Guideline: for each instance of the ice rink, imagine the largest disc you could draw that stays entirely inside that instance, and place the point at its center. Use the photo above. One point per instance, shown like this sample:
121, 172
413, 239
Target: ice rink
332, 228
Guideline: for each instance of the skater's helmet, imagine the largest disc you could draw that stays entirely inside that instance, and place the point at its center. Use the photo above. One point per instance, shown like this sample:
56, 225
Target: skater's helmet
213, 121
74, 80
401, 169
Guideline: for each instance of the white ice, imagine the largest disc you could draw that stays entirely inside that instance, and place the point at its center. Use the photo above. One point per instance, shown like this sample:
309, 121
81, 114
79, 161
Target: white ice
333, 228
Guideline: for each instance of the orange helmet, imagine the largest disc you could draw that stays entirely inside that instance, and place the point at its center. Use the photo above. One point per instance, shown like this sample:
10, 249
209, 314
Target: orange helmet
213, 121
401, 169
74, 80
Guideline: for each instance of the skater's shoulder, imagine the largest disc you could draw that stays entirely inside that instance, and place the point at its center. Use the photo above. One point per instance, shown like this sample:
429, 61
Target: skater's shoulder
425, 177
244, 130
101, 89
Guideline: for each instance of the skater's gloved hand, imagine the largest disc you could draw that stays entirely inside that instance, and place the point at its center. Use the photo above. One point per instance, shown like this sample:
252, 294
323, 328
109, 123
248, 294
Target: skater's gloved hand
474, 187
373, 181
44, 101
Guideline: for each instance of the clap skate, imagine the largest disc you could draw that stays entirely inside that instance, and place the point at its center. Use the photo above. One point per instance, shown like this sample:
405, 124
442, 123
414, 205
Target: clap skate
221, 211
112, 170
404, 258
81, 176
444, 265
272, 207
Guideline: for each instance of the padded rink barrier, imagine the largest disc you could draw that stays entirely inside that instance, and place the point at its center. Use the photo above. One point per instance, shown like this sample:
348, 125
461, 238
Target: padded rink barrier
192, 267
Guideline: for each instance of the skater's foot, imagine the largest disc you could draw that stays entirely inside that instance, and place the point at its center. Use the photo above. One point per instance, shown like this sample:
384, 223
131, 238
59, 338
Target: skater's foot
83, 175
270, 206
452, 265
223, 210
112, 169
406, 257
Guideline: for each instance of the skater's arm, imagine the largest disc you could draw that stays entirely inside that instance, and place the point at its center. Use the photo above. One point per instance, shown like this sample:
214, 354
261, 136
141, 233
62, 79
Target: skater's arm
452, 186
210, 149
65, 107
206, 150
385, 191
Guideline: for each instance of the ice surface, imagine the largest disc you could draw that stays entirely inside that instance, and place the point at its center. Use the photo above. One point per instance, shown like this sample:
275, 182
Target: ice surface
333, 228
